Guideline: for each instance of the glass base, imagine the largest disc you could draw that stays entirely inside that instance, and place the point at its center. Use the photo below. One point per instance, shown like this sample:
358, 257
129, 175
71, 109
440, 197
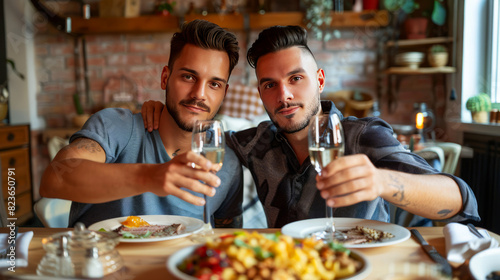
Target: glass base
329, 236
202, 236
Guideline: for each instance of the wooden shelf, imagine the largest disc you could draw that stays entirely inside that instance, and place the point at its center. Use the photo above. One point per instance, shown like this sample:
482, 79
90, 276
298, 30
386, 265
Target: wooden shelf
420, 70
419, 42
233, 21
262, 21
230, 21
124, 25
370, 18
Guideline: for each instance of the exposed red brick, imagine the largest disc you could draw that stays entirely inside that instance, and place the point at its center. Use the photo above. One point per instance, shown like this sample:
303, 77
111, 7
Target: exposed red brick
124, 59
324, 57
42, 76
51, 87
345, 44
48, 98
55, 62
106, 48
156, 59
96, 61
62, 75
70, 62
145, 47
61, 49
41, 50
106, 38
113, 71
360, 83
48, 39
96, 85
56, 120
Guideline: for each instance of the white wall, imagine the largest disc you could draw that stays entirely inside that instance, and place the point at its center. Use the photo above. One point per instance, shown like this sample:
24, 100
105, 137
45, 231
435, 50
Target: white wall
19, 33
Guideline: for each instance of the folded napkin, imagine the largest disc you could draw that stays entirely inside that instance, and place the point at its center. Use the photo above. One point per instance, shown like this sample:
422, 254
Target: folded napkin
461, 244
21, 257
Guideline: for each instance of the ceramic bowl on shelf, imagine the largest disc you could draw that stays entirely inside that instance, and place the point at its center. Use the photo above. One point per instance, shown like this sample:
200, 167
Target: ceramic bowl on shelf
410, 59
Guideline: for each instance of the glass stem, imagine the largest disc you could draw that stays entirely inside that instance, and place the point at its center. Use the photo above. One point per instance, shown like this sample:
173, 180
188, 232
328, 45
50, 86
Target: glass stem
329, 222
206, 215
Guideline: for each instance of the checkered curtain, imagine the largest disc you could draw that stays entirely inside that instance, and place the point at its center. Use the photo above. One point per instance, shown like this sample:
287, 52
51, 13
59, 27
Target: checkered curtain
242, 102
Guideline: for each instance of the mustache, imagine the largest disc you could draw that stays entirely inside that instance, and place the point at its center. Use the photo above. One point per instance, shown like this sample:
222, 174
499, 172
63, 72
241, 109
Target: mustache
192, 102
286, 105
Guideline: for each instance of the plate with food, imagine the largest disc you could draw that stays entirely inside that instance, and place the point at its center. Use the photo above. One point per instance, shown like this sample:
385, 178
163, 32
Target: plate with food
360, 233
150, 228
251, 255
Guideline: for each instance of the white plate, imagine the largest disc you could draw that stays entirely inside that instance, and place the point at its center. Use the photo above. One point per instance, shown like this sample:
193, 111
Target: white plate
302, 229
192, 226
484, 263
175, 259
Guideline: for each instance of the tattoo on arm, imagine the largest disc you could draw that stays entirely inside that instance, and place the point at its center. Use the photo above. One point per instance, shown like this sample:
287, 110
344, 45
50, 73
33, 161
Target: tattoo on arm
175, 153
444, 213
89, 145
236, 222
399, 194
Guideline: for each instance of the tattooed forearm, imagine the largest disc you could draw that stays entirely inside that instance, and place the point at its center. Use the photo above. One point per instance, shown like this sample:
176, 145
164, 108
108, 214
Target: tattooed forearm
444, 213
90, 145
236, 222
399, 194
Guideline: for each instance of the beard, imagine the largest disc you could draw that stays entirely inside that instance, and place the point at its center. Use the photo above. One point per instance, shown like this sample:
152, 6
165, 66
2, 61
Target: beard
310, 111
176, 115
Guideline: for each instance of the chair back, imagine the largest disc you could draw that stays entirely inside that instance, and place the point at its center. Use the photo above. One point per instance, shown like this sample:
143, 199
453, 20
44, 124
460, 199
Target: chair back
452, 154
53, 212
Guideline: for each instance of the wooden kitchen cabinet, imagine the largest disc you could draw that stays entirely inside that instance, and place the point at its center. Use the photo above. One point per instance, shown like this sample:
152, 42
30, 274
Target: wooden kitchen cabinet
15, 156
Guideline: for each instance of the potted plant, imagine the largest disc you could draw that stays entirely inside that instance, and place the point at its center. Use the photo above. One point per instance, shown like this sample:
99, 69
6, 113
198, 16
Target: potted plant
479, 106
318, 17
165, 8
437, 56
81, 117
415, 28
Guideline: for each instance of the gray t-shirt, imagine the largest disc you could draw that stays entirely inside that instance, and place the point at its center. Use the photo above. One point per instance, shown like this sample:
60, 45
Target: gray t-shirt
125, 140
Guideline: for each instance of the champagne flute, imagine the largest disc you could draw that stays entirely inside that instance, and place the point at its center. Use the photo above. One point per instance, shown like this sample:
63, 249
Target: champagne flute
326, 143
208, 140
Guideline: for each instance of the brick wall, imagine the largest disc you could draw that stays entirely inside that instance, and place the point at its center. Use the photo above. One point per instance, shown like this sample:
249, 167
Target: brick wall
350, 62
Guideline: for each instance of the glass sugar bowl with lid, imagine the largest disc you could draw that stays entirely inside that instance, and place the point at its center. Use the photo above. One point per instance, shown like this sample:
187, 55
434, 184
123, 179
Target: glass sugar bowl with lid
80, 253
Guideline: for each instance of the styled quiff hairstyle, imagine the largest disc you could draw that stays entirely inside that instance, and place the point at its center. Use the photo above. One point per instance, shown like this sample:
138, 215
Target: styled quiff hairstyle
205, 35
277, 38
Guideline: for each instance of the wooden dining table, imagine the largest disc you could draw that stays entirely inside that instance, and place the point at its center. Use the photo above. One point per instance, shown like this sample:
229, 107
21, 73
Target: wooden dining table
147, 260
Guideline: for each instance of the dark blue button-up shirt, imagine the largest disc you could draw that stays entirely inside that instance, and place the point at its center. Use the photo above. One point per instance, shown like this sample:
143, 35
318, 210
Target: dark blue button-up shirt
288, 190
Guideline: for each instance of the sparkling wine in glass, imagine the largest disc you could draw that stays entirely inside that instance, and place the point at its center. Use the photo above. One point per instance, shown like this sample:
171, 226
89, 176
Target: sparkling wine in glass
326, 143
208, 140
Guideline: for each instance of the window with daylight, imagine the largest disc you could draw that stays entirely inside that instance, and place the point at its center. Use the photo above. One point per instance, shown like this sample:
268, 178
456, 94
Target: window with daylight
493, 61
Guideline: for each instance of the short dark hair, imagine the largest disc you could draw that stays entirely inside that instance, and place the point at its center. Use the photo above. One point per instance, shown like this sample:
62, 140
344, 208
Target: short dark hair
277, 38
205, 35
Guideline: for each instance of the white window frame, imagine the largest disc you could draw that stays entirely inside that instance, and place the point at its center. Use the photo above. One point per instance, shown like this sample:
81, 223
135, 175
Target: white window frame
473, 29
493, 59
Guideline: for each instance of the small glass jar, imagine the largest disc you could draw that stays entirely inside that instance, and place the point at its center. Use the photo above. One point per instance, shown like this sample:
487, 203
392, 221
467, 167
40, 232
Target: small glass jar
78, 243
